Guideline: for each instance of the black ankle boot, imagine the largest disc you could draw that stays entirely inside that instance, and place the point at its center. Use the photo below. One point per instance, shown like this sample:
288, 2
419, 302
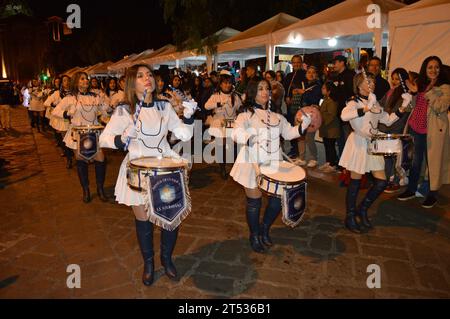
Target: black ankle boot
86, 195
168, 241
69, 156
372, 194
144, 232
100, 172
253, 208
82, 169
272, 211
352, 194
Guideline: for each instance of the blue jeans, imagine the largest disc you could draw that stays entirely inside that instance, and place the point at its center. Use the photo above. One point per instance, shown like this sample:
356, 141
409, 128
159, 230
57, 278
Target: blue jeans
420, 153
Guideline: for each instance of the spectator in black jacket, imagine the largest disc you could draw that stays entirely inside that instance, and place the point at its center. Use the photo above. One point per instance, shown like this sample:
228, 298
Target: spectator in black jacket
343, 81
381, 85
292, 83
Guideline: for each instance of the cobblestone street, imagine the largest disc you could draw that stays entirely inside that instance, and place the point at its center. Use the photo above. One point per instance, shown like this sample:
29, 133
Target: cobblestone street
45, 226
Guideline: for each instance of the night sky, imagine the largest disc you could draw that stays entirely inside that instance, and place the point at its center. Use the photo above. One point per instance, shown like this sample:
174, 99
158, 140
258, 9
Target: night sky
110, 29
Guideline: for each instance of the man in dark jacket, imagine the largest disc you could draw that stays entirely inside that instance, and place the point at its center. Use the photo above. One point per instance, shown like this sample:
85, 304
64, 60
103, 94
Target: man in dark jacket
292, 83
381, 85
343, 81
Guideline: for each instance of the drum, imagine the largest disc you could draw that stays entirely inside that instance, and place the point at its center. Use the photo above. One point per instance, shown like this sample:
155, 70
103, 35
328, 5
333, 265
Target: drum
140, 168
279, 175
386, 144
316, 117
87, 140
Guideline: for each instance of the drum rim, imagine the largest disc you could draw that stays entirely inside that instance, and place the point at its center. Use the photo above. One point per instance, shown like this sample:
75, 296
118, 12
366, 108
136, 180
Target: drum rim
88, 127
281, 182
159, 169
383, 153
389, 136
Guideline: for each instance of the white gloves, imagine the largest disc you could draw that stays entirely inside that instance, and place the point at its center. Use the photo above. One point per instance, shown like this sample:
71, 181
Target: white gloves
407, 98
306, 121
130, 132
189, 108
371, 100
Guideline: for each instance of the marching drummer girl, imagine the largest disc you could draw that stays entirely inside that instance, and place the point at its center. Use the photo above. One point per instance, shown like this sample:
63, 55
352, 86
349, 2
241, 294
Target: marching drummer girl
147, 138
81, 108
364, 114
60, 125
260, 128
225, 104
37, 97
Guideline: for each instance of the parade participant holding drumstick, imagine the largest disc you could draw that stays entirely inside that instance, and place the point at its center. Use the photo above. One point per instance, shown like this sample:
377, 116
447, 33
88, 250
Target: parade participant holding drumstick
224, 104
60, 125
364, 114
145, 134
260, 128
81, 108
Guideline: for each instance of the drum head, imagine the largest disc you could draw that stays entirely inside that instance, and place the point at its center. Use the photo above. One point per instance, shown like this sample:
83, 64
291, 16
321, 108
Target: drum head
158, 163
283, 171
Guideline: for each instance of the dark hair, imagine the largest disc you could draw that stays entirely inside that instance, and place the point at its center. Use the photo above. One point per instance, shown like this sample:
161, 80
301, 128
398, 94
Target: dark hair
282, 74
212, 73
272, 74
108, 90
250, 95
375, 58
130, 85
173, 78
423, 80
74, 82
297, 56
61, 93
398, 91
329, 85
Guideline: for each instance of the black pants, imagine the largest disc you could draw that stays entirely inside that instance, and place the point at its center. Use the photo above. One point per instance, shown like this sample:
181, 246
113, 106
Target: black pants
330, 151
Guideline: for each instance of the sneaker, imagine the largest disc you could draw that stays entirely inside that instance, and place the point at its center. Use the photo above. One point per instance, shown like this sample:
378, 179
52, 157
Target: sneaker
419, 194
324, 166
429, 202
300, 162
392, 188
406, 195
312, 163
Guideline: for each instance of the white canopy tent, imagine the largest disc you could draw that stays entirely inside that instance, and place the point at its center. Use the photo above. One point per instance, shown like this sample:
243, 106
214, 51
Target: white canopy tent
173, 57
256, 41
100, 69
119, 65
349, 22
418, 31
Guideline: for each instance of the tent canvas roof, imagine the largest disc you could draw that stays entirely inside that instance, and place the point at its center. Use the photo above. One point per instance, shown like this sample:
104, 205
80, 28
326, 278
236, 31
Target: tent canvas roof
118, 65
172, 53
257, 35
344, 19
418, 31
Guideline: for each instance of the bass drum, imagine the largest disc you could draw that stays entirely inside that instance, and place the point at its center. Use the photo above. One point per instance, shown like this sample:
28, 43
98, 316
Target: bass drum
316, 117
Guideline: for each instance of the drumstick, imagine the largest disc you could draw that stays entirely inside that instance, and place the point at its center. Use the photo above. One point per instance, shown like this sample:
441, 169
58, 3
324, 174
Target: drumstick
404, 87
135, 117
287, 157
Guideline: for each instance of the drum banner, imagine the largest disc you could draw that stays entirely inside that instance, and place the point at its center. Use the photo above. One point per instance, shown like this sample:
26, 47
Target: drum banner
169, 202
87, 145
293, 203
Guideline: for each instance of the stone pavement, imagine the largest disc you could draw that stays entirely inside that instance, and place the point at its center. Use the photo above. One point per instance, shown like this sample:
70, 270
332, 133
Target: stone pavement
44, 227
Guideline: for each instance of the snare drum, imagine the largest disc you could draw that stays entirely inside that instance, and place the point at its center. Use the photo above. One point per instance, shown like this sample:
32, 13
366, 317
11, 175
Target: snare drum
386, 144
279, 175
140, 168
87, 140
